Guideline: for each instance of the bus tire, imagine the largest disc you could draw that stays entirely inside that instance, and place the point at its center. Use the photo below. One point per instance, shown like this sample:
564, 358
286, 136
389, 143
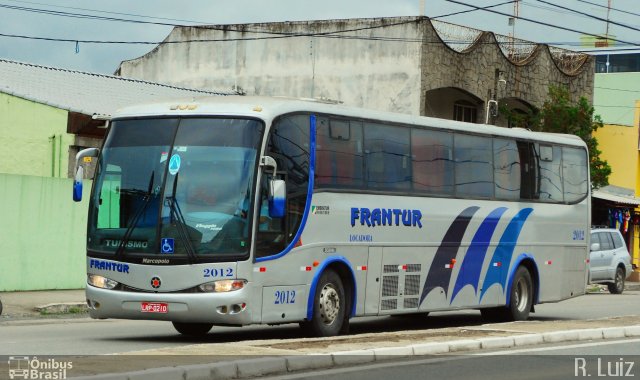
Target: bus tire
329, 316
520, 300
192, 329
521, 297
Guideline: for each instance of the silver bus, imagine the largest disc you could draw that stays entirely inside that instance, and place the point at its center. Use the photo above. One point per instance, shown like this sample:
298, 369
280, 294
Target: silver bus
248, 210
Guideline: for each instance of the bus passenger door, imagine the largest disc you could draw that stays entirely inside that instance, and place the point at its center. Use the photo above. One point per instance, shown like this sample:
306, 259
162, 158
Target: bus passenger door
372, 297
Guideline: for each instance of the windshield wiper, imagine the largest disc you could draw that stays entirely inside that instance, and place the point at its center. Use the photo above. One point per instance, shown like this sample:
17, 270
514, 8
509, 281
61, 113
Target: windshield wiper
176, 214
134, 221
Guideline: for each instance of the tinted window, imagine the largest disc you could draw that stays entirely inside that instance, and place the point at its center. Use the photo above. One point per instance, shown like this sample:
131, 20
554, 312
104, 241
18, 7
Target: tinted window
339, 154
605, 241
473, 166
506, 163
617, 240
289, 145
529, 170
575, 174
432, 161
550, 180
354, 154
387, 157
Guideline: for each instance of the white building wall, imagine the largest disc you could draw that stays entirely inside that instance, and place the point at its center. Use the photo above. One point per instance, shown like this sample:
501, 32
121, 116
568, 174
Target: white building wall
382, 75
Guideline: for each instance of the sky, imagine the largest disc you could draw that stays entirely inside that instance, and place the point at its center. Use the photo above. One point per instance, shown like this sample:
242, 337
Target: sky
50, 19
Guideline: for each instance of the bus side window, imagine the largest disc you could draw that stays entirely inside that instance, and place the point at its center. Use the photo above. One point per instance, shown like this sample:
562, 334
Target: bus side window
575, 173
550, 169
339, 154
473, 166
506, 167
529, 178
288, 143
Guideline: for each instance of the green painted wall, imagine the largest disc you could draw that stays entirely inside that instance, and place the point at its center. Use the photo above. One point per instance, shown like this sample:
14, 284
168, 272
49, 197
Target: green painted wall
614, 97
26, 139
43, 234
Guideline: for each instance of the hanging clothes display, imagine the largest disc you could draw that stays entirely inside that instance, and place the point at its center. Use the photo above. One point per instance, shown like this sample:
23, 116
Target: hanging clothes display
625, 223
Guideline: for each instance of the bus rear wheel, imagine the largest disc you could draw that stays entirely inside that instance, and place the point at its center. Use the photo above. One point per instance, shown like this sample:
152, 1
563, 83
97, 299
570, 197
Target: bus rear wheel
192, 329
329, 307
520, 300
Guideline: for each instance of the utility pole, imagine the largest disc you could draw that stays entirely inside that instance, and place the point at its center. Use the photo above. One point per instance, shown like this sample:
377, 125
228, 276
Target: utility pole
606, 34
422, 7
512, 23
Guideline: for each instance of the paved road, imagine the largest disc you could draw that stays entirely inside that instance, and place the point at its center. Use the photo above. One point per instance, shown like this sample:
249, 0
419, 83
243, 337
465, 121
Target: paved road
87, 337
580, 361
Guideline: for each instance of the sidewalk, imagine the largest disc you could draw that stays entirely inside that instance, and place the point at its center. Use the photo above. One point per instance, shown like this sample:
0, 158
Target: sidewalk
33, 304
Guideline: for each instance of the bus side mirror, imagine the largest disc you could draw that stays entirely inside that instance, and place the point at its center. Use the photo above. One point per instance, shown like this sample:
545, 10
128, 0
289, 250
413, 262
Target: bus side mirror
277, 198
277, 189
84, 155
77, 184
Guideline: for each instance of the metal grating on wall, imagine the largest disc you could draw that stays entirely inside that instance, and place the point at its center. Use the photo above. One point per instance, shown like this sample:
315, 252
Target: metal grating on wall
410, 303
412, 285
414, 268
390, 286
389, 304
391, 269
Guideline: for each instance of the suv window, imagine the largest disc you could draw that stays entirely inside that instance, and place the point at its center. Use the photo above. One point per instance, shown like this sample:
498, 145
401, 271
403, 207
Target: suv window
605, 241
617, 240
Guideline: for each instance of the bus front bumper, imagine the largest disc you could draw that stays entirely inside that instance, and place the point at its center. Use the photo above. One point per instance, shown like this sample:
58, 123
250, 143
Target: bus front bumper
230, 308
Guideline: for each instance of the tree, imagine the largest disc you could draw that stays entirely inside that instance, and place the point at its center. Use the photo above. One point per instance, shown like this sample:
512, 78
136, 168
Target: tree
560, 115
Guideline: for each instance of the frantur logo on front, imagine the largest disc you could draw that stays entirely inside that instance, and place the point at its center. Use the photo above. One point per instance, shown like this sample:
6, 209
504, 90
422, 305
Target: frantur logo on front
386, 217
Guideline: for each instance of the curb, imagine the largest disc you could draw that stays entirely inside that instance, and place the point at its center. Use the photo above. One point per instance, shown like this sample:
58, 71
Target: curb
281, 365
63, 308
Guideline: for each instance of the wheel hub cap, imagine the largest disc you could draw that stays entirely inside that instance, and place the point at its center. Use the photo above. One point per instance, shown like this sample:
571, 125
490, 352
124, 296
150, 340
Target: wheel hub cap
329, 304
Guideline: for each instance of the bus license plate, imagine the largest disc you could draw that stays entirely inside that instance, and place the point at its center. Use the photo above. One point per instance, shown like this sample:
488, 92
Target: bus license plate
154, 307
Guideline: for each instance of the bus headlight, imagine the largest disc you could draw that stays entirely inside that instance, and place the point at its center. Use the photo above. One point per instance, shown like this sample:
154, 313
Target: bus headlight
101, 282
222, 286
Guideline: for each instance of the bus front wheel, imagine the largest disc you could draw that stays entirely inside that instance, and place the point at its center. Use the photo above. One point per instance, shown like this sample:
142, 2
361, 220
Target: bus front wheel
192, 329
329, 307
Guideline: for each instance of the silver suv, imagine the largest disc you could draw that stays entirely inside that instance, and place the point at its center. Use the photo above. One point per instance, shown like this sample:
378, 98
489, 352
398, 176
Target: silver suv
610, 262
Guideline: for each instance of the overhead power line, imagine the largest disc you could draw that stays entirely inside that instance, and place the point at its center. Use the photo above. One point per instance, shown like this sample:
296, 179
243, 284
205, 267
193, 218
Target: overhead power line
271, 34
83, 15
589, 15
474, 10
192, 23
542, 23
111, 12
606, 7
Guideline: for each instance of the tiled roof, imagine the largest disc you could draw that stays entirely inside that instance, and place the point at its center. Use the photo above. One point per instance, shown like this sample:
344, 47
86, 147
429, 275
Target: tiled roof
82, 92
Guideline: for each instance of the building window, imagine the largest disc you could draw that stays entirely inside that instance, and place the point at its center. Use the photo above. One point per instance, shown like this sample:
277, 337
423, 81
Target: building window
465, 111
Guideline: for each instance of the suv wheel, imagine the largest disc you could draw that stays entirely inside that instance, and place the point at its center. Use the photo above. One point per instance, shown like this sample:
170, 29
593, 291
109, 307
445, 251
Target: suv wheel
618, 286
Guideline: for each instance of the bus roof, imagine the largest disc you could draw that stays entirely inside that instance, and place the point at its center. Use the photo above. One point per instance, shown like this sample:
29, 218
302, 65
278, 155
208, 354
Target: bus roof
268, 108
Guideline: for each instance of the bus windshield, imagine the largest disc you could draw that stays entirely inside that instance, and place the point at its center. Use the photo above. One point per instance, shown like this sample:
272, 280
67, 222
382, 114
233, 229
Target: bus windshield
175, 188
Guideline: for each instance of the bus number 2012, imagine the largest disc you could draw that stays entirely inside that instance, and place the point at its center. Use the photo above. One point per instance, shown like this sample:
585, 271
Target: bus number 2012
284, 297
214, 272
